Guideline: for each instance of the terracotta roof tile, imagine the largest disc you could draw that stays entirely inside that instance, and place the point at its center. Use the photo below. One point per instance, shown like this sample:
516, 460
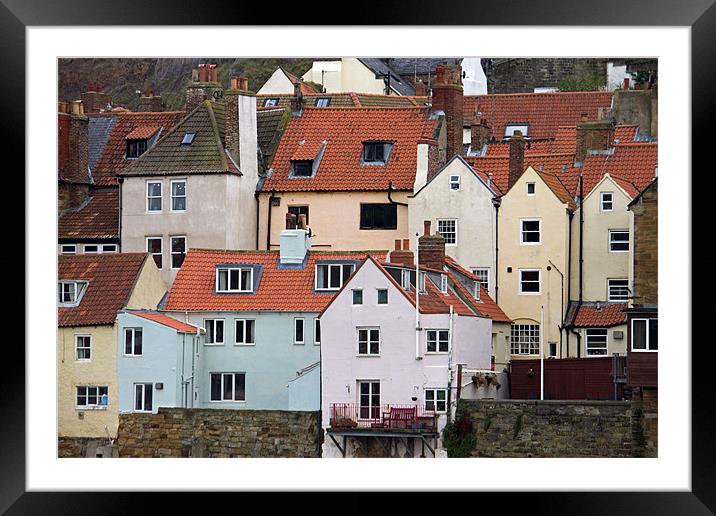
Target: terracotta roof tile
486, 305
589, 316
112, 159
346, 129
142, 132
554, 184
307, 150
98, 218
498, 166
280, 288
165, 320
111, 279
544, 112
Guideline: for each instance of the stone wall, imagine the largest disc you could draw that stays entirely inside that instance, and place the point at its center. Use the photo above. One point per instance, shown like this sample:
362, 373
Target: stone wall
646, 247
554, 429
524, 75
219, 433
84, 447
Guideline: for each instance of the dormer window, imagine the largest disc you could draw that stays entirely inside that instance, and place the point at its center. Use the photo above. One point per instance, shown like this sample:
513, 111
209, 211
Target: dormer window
323, 102
188, 138
421, 283
405, 279
331, 276
443, 283
302, 168
136, 148
476, 290
234, 279
376, 153
271, 102
69, 293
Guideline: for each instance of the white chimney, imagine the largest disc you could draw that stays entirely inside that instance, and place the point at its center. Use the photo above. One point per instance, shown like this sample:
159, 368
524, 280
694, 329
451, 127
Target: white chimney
294, 243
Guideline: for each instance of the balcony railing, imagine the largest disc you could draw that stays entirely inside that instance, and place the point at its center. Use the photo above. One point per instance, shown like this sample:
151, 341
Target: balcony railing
391, 416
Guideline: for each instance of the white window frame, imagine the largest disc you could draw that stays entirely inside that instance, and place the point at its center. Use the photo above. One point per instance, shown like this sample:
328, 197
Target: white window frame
511, 128
534, 188
377, 296
443, 283
105, 250
329, 275
454, 231
353, 296
228, 279
368, 340
602, 201
245, 332
405, 279
539, 282
478, 271
92, 406
86, 251
161, 249
160, 196
612, 299
79, 336
531, 343
212, 323
609, 241
371, 394
316, 331
172, 196
522, 231
296, 321
145, 386
133, 352
233, 390
435, 400
172, 253
646, 322
78, 287
438, 341
454, 181
64, 246
588, 338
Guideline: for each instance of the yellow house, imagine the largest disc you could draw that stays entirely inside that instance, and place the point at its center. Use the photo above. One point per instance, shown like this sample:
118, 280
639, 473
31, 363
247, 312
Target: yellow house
91, 289
533, 253
349, 171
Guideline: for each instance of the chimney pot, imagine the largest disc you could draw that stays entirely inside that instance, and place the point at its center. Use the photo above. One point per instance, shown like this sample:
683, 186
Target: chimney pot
195, 75
583, 117
234, 82
290, 221
397, 245
406, 244
78, 108
426, 227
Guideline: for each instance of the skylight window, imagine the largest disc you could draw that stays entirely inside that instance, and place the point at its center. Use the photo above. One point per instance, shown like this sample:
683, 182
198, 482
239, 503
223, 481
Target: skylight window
271, 102
188, 138
323, 102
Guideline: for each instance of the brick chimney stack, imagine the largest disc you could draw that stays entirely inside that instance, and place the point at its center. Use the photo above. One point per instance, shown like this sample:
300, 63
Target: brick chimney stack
203, 86
150, 103
479, 134
594, 135
402, 253
421, 89
447, 96
517, 158
297, 99
73, 155
96, 101
431, 249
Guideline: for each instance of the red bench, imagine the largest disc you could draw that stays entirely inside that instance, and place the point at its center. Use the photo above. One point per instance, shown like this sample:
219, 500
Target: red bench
399, 417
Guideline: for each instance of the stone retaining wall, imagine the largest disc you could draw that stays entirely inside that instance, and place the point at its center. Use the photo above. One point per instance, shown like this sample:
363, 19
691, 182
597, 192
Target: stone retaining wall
219, 433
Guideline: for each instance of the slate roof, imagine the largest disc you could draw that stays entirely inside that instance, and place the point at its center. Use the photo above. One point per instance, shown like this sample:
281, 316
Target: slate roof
98, 131
397, 83
544, 112
280, 288
270, 124
165, 320
205, 155
112, 158
346, 99
111, 278
408, 67
98, 218
587, 315
345, 130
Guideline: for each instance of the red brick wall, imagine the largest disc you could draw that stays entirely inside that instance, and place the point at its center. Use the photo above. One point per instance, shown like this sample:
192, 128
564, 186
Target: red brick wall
593, 136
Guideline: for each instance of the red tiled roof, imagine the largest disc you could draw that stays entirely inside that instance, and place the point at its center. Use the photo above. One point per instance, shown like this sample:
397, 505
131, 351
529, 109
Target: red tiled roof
486, 305
99, 218
625, 133
625, 185
307, 150
165, 320
544, 112
633, 162
283, 288
345, 130
142, 132
112, 160
539, 147
588, 316
111, 280
554, 184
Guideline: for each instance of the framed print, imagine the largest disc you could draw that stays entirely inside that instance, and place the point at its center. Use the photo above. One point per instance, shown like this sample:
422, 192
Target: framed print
290, 253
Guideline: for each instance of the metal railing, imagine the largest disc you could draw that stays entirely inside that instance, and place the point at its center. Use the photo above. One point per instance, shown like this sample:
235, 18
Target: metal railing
393, 416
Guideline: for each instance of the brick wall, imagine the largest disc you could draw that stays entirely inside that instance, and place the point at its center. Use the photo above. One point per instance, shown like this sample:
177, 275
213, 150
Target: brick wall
646, 262
554, 429
219, 433
524, 75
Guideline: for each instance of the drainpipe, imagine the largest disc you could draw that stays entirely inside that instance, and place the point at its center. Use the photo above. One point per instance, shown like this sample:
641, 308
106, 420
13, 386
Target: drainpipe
496, 202
390, 199
562, 307
258, 205
449, 378
569, 275
120, 180
268, 223
581, 254
417, 296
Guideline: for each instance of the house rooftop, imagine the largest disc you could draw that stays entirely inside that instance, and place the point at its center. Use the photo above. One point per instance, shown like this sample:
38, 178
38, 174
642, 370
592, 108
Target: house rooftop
165, 320
97, 218
596, 314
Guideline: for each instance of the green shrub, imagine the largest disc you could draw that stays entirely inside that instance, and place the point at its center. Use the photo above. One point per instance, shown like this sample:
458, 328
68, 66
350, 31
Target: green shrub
458, 436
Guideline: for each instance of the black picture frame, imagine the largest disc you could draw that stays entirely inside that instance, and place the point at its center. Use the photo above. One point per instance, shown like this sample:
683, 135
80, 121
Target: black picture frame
700, 15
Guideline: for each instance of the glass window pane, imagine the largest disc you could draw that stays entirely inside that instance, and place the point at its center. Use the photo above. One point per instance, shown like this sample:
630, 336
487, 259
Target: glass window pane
239, 387
223, 279
335, 276
240, 331
138, 341
638, 334
322, 276
653, 334
233, 279
215, 387
246, 275
228, 386
148, 388
138, 395
357, 297
218, 328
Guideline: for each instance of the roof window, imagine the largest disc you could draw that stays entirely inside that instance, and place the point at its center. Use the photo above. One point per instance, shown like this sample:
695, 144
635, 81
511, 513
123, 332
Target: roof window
271, 102
323, 102
511, 128
188, 138
376, 153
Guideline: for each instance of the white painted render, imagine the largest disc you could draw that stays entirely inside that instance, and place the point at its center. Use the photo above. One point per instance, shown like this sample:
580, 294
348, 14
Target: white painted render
475, 80
277, 84
471, 206
348, 74
401, 375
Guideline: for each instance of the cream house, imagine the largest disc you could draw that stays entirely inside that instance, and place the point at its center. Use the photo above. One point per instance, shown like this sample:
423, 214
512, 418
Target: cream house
534, 244
196, 187
91, 290
459, 202
361, 75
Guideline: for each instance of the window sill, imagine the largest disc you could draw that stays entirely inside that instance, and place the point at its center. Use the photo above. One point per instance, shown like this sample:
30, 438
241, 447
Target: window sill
227, 401
244, 345
436, 352
530, 293
644, 350
368, 356
213, 344
83, 360
299, 343
529, 243
82, 409
132, 356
